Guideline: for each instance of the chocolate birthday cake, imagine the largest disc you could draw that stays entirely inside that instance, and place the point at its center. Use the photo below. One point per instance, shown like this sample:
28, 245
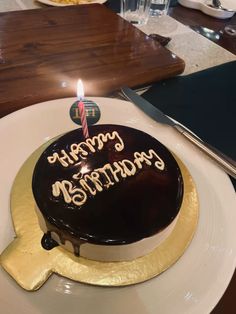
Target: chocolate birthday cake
113, 196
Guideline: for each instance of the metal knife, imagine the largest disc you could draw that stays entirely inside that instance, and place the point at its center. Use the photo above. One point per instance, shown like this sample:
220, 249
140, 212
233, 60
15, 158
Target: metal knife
226, 163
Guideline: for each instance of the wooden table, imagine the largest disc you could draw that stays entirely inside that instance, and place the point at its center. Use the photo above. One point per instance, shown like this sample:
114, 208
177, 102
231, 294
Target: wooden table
53, 47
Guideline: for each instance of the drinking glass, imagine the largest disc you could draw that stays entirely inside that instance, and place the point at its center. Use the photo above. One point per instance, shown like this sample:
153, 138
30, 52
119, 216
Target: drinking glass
135, 11
159, 7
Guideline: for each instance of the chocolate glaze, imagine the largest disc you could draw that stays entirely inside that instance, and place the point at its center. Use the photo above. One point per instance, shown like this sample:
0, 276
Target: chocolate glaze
135, 208
47, 242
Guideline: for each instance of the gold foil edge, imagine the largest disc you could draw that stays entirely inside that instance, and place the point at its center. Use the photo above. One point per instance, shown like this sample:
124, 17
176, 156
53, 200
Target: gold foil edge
30, 265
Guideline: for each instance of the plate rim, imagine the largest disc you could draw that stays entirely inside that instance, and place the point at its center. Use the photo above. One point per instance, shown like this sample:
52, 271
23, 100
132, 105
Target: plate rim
31, 108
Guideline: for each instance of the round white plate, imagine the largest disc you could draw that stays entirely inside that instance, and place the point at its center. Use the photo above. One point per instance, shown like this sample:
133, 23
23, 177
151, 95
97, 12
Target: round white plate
203, 5
228, 4
193, 285
57, 4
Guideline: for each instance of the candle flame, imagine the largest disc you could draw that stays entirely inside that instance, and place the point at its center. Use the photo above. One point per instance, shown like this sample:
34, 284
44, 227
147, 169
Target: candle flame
80, 89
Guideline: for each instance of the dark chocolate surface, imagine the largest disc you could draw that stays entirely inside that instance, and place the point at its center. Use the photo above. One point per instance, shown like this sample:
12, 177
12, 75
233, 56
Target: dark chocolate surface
47, 242
137, 207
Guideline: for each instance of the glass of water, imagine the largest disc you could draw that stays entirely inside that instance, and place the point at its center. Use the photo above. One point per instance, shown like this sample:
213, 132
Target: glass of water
159, 7
135, 11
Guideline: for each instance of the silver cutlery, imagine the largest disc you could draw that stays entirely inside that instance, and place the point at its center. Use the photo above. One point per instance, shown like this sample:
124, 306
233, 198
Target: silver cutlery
223, 161
217, 4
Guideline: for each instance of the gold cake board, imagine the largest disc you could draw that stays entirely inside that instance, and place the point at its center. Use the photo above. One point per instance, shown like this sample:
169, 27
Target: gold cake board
30, 265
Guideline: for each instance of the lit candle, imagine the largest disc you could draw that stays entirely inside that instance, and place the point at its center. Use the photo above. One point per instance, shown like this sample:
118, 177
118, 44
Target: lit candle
82, 112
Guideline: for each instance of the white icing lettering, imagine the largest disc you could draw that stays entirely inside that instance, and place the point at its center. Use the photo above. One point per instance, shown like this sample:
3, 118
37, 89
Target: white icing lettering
68, 192
107, 178
147, 157
65, 159
94, 178
85, 186
79, 151
104, 177
128, 166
